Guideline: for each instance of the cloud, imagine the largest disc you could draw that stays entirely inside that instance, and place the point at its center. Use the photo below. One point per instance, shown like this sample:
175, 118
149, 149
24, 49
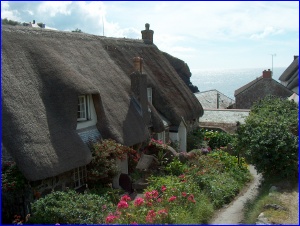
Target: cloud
7, 13
54, 8
267, 32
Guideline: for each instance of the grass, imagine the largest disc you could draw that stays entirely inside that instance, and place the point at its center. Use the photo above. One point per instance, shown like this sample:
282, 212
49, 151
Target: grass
287, 196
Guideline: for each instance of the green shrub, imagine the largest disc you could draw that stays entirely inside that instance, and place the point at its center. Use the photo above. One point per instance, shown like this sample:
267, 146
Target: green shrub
220, 176
195, 139
216, 139
176, 167
70, 208
191, 201
269, 137
103, 168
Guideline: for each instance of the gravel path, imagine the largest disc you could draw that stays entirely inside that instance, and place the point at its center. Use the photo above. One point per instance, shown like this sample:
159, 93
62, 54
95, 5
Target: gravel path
233, 213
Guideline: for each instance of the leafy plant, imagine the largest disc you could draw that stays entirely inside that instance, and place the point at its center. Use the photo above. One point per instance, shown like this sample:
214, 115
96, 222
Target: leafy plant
269, 137
176, 167
12, 178
195, 139
219, 175
103, 165
70, 208
216, 139
168, 200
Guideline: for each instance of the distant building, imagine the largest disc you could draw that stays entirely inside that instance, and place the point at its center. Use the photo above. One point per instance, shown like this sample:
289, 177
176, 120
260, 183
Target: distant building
213, 99
290, 77
259, 89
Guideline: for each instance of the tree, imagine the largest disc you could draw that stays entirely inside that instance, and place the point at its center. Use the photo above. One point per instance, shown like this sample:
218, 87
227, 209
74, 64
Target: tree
5, 21
269, 137
77, 30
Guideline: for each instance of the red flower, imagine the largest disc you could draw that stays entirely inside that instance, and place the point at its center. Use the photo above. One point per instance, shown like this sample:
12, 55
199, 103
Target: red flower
172, 198
181, 176
122, 205
150, 216
163, 211
159, 200
110, 218
139, 201
184, 194
154, 193
191, 198
125, 198
163, 188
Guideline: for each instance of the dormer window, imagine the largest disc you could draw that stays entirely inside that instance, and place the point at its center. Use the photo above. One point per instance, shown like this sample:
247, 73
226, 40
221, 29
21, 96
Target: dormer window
83, 110
149, 95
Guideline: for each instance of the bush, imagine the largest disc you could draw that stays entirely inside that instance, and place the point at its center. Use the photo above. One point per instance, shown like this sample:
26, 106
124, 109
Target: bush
220, 176
168, 200
70, 208
103, 168
269, 137
216, 139
195, 139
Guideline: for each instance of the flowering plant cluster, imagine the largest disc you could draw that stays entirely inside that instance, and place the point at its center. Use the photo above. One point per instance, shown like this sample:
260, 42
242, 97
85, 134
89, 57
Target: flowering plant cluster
158, 144
155, 207
12, 179
103, 165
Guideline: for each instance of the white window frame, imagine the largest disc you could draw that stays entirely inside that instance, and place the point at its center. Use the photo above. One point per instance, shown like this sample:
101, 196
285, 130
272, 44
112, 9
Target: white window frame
149, 94
162, 136
83, 110
79, 176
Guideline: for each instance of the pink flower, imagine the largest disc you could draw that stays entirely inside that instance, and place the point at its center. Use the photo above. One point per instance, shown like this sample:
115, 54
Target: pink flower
163, 188
191, 198
125, 198
149, 204
139, 201
150, 216
154, 193
159, 200
184, 194
148, 195
122, 205
110, 218
163, 211
172, 198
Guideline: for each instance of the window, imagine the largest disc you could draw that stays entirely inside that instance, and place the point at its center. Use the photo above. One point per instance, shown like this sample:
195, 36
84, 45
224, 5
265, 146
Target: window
149, 95
162, 136
83, 112
79, 177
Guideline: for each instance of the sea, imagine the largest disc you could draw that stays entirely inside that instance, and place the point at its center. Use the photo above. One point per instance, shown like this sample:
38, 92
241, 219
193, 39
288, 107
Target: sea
227, 81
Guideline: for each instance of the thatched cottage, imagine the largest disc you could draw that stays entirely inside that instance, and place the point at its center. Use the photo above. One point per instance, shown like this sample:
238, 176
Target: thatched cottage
60, 89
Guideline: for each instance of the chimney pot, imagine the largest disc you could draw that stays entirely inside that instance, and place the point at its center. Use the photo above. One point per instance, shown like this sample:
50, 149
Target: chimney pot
147, 35
267, 74
138, 64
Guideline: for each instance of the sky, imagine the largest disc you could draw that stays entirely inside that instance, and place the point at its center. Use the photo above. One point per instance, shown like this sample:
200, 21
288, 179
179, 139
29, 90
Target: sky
204, 34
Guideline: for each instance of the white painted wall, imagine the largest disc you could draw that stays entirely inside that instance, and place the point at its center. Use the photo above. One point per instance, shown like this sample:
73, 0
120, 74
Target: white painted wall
180, 136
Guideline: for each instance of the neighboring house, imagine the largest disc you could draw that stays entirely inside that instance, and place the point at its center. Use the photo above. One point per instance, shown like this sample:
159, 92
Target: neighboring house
224, 119
60, 89
213, 99
258, 89
290, 77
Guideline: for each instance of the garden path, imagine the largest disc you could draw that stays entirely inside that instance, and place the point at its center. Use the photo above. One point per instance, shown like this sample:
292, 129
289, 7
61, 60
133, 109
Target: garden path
234, 212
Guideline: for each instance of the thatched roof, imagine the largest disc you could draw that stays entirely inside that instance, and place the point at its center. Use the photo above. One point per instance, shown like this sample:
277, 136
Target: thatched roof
44, 71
